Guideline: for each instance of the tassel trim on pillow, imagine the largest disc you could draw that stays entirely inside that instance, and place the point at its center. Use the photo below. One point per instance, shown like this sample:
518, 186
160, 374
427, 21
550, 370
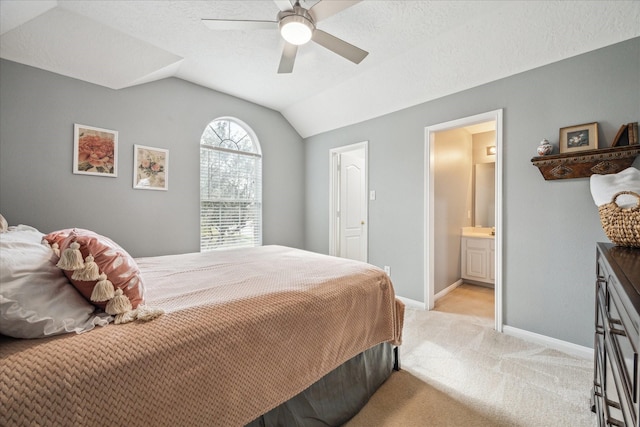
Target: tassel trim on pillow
71, 258
103, 290
119, 304
123, 318
88, 273
120, 307
55, 248
148, 313
142, 313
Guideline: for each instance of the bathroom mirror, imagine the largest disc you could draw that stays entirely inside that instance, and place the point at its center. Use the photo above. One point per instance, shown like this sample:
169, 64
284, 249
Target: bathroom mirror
484, 204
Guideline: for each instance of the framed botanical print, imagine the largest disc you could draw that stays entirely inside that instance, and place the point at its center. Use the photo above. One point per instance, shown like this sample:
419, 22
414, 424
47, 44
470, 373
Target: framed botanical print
150, 168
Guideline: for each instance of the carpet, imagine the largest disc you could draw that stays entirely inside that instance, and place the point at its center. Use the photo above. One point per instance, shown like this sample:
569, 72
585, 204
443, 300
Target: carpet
404, 400
458, 371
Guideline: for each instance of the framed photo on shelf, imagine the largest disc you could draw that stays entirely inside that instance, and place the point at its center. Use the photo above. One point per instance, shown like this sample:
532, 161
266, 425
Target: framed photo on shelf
150, 168
579, 138
95, 151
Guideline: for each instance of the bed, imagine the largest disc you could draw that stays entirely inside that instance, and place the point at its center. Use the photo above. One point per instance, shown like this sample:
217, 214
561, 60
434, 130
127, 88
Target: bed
257, 336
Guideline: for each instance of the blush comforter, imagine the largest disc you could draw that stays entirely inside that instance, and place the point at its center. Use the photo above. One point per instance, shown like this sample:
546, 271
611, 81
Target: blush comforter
243, 331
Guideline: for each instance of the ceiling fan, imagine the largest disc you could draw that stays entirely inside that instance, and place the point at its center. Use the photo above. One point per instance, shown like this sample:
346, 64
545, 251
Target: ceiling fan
297, 26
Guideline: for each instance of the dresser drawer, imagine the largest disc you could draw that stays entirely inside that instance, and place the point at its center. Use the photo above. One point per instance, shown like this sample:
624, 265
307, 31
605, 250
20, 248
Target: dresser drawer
618, 410
598, 381
603, 274
616, 380
620, 330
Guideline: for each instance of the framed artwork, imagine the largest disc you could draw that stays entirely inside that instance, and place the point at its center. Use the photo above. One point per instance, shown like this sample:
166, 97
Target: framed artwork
150, 168
579, 138
95, 151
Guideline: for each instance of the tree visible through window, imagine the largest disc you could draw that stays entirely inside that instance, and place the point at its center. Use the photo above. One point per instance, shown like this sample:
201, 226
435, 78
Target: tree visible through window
230, 186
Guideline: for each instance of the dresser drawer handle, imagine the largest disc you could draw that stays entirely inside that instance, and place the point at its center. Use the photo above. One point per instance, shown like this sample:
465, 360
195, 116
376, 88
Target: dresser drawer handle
612, 328
615, 331
609, 419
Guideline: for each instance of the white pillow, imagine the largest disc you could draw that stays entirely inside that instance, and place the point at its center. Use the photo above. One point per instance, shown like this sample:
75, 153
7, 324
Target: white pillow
3, 225
36, 299
604, 187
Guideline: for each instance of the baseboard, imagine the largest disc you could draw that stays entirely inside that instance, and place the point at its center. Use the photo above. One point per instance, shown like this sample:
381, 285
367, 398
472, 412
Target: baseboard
412, 303
556, 344
447, 290
421, 305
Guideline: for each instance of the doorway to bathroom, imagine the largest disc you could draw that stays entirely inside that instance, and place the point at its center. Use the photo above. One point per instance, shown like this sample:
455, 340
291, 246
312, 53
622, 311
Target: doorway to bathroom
463, 205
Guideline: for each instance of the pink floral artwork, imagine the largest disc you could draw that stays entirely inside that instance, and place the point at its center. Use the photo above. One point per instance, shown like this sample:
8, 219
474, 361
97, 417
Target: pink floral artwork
95, 151
150, 169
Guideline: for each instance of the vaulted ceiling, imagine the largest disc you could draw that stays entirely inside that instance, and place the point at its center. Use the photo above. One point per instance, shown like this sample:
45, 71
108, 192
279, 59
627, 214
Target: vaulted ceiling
418, 50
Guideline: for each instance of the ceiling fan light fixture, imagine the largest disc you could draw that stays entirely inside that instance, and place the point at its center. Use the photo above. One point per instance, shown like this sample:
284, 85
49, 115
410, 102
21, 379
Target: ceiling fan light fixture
296, 29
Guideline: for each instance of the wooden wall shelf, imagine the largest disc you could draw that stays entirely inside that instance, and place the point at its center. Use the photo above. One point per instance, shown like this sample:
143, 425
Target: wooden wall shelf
583, 164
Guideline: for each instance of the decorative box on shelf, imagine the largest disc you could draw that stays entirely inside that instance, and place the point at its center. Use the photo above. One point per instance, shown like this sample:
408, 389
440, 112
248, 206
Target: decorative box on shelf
583, 164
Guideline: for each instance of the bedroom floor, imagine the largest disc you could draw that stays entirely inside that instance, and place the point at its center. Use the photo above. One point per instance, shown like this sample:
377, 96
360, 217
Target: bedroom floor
457, 371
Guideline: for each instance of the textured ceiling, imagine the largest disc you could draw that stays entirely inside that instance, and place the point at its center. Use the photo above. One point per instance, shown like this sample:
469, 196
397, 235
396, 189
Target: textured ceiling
418, 50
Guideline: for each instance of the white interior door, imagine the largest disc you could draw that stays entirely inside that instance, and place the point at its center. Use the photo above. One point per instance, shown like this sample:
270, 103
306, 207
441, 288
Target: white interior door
353, 206
348, 202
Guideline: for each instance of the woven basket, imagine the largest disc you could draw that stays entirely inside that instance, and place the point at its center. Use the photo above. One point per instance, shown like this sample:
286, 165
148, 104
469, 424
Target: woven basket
622, 225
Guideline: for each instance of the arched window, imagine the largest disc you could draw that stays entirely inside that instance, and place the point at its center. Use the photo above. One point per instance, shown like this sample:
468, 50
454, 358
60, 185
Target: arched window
230, 186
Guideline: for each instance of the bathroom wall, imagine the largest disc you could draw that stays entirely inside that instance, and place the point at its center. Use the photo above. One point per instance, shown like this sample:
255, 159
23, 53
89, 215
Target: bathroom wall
452, 202
481, 141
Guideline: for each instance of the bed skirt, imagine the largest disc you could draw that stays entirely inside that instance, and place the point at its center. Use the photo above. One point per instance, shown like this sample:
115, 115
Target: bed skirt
338, 396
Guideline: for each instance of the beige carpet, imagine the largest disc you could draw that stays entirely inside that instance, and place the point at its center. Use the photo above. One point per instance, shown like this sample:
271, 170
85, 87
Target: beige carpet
457, 371
405, 400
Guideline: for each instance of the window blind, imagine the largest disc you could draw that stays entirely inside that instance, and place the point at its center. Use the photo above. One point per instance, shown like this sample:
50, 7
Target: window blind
230, 198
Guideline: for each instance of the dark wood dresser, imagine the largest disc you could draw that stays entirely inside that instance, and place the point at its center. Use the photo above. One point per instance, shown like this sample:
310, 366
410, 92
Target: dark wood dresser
617, 336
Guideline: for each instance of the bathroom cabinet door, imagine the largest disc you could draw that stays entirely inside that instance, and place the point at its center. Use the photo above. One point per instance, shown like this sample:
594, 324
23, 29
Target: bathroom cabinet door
477, 259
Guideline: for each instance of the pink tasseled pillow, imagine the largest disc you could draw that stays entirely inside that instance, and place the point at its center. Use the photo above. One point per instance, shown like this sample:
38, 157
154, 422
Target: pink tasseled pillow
103, 272
56, 238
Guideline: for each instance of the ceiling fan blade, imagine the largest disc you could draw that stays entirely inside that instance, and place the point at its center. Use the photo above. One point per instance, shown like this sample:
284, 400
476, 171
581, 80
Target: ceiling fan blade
239, 24
341, 47
326, 8
288, 58
283, 4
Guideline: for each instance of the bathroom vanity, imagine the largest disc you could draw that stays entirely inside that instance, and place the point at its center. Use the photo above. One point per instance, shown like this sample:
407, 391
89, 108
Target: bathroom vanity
478, 254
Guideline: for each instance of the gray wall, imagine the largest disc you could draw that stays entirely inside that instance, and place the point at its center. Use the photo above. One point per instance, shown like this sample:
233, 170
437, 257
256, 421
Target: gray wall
37, 186
550, 227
